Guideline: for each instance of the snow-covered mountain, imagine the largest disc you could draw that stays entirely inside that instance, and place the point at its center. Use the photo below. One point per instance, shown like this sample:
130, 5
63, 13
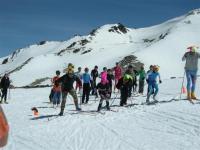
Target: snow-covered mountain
162, 44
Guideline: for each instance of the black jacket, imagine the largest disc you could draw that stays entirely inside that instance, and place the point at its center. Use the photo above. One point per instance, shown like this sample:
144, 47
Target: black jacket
5, 83
121, 84
103, 89
67, 81
94, 74
110, 77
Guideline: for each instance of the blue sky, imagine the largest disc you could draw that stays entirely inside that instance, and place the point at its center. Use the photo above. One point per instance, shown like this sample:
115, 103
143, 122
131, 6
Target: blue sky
25, 22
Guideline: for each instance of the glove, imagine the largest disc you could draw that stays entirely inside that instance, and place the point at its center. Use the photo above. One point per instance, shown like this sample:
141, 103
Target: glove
160, 81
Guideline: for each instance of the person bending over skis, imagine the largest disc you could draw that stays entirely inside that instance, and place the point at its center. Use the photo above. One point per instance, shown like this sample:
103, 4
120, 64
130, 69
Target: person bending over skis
104, 91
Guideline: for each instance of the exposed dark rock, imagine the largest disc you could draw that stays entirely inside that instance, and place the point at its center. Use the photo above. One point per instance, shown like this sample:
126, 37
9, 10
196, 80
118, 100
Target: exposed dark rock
37, 82
72, 45
93, 32
62, 51
84, 42
163, 36
87, 51
42, 43
76, 50
148, 40
130, 60
187, 22
5, 61
119, 28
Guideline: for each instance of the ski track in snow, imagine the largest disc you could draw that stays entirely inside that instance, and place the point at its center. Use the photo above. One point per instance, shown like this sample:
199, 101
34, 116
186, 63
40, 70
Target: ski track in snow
168, 125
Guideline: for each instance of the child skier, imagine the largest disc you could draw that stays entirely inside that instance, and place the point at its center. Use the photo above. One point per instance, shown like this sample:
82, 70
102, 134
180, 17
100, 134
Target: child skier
67, 81
56, 94
104, 91
86, 85
124, 84
53, 83
152, 83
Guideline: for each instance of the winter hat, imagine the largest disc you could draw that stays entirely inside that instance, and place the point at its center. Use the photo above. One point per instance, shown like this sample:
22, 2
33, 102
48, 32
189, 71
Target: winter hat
156, 67
70, 68
104, 78
193, 48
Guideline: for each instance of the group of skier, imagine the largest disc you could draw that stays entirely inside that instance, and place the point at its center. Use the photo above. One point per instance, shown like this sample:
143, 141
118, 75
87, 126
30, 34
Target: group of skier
86, 84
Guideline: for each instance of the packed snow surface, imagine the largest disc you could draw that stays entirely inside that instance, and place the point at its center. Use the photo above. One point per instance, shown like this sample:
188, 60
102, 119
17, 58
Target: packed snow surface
167, 125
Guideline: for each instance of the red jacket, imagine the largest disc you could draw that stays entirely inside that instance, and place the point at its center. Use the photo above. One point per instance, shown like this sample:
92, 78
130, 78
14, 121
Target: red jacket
118, 72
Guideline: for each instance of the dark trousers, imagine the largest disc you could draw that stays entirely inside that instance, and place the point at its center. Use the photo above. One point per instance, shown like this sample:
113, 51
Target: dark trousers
141, 86
4, 94
94, 90
124, 95
130, 90
86, 92
104, 97
51, 96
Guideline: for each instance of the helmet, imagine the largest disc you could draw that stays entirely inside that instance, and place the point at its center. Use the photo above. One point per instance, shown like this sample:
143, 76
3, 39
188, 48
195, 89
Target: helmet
96, 67
79, 68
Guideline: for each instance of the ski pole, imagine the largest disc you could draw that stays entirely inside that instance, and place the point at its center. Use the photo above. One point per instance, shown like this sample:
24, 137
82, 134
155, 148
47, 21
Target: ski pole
182, 84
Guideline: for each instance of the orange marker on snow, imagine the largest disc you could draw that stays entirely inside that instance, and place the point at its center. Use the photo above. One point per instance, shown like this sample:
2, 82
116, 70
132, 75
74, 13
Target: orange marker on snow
35, 111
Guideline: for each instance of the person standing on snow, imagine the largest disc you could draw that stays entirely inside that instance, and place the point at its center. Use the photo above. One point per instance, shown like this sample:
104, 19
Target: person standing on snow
149, 72
130, 72
5, 84
118, 74
67, 81
53, 83
94, 75
56, 90
191, 67
110, 78
104, 90
79, 74
124, 84
152, 83
86, 86
142, 76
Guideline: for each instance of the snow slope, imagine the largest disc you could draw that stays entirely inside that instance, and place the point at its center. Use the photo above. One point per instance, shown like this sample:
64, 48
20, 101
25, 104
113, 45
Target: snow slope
162, 44
168, 125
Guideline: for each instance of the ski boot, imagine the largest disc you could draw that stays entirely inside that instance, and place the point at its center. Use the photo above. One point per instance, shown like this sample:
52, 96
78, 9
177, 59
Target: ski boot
193, 96
107, 105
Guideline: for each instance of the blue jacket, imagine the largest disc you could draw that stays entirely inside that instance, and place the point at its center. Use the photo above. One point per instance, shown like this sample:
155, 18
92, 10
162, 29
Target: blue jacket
152, 77
86, 78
